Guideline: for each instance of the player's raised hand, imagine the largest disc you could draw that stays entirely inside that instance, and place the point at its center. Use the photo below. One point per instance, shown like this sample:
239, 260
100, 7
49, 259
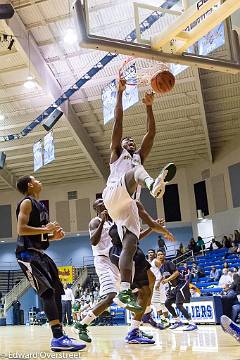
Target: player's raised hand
169, 236
122, 85
148, 99
161, 221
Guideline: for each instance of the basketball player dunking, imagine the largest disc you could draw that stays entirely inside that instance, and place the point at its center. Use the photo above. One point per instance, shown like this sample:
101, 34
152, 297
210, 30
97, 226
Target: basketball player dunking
34, 231
100, 229
126, 173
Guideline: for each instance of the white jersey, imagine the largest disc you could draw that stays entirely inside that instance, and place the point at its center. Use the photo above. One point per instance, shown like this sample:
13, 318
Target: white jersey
155, 270
105, 243
123, 164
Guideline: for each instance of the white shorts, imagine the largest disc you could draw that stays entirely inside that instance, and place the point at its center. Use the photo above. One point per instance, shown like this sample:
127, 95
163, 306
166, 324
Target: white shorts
121, 207
108, 274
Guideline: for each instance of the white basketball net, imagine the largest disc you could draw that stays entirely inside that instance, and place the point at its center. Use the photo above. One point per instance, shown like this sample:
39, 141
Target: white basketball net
140, 72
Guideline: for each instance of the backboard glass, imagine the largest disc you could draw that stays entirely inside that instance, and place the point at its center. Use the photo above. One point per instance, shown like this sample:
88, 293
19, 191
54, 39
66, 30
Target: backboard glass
110, 26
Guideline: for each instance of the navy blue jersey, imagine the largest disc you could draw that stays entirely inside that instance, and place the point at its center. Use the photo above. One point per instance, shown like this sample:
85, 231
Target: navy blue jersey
167, 269
37, 218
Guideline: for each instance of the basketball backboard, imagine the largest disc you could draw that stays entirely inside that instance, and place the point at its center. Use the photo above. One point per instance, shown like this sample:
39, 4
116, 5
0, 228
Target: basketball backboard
169, 32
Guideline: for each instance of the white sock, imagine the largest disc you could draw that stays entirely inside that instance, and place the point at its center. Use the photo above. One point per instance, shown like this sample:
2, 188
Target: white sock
149, 182
135, 324
191, 322
124, 285
148, 309
89, 318
141, 176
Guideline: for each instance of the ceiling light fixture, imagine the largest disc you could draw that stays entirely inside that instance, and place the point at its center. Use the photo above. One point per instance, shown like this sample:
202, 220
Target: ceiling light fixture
70, 37
2, 241
2, 117
30, 83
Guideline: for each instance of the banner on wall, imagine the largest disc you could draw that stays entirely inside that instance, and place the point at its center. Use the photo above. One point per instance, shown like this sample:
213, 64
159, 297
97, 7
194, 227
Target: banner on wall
65, 274
206, 310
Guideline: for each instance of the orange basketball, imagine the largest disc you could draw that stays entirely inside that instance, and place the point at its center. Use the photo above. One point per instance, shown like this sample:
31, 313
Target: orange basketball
163, 82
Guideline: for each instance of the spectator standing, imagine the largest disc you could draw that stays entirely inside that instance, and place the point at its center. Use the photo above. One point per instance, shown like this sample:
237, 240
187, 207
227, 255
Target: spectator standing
67, 301
227, 243
181, 250
16, 312
192, 245
161, 244
200, 244
236, 237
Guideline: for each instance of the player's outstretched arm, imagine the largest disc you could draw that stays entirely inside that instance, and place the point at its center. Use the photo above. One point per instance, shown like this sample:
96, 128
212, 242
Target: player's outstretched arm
148, 139
154, 225
118, 124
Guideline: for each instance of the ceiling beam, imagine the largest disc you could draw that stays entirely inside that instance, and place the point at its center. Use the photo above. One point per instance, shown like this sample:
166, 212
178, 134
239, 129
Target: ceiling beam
203, 112
50, 84
8, 178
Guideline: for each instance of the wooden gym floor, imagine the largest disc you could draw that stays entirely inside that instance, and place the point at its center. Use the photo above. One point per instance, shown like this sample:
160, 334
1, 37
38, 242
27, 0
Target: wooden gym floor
208, 343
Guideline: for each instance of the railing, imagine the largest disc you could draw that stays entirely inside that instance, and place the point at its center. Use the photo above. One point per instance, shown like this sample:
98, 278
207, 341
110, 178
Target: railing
16, 292
184, 257
80, 279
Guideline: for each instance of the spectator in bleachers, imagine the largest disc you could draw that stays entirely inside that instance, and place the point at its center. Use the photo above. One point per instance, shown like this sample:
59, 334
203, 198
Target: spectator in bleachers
215, 245
192, 245
151, 254
186, 271
195, 292
225, 279
96, 293
86, 296
200, 244
215, 274
196, 272
225, 265
227, 243
78, 292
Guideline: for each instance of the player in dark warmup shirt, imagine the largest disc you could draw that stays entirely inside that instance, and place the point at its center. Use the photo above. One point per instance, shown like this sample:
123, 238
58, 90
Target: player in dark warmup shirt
177, 293
34, 231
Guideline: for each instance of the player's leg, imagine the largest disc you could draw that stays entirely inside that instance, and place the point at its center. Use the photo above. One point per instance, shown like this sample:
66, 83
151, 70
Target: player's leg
135, 336
171, 298
98, 309
139, 176
109, 278
37, 269
183, 295
230, 327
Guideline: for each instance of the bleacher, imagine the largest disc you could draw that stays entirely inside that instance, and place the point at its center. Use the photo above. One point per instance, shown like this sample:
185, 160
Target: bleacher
8, 278
216, 258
